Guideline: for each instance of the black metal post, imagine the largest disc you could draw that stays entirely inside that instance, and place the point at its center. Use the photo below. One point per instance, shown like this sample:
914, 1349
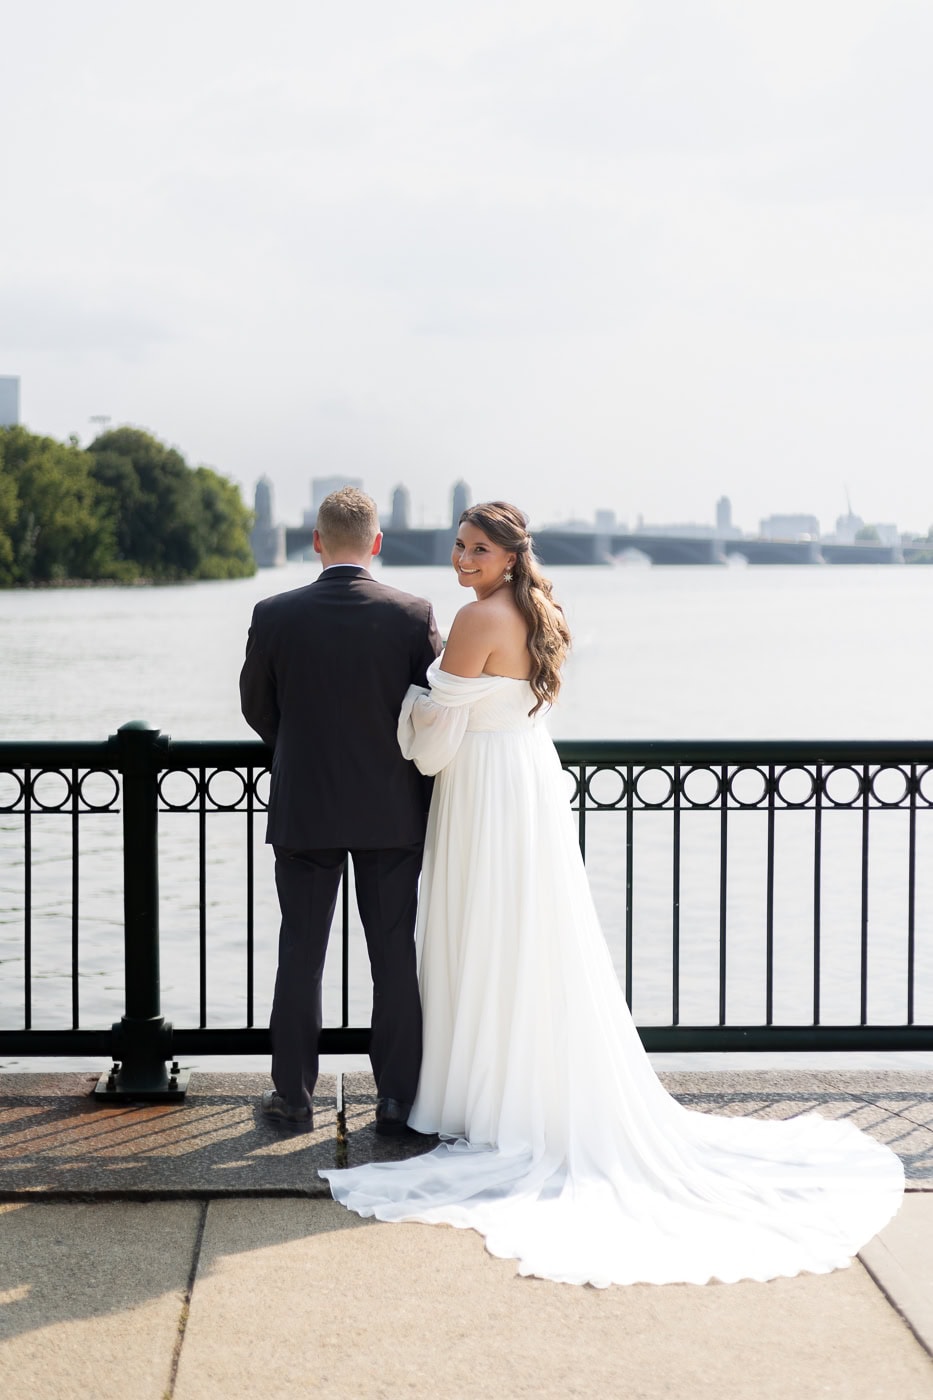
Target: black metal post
142, 1040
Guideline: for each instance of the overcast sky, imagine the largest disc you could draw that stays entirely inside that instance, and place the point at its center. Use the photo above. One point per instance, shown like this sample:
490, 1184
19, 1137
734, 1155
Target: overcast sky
580, 253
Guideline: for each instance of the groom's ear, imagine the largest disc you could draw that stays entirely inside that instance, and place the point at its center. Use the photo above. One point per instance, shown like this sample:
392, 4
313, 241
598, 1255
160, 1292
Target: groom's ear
377, 544
316, 541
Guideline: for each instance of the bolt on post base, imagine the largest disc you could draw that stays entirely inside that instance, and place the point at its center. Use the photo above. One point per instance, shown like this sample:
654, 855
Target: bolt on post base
158, 1084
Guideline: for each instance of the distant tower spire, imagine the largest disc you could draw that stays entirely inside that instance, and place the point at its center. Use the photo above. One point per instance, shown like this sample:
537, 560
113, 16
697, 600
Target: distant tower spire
401, 503
263, 502
9, 401
461, 499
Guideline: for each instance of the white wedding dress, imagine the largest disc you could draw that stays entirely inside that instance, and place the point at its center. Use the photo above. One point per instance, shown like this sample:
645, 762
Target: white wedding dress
562, 1148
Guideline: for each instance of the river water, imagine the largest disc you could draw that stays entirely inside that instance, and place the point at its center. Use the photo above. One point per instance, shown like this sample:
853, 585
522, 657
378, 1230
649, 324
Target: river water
658, 653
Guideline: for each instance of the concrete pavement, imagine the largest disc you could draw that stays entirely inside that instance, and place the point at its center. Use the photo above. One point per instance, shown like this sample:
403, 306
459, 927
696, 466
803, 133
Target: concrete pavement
187, 1251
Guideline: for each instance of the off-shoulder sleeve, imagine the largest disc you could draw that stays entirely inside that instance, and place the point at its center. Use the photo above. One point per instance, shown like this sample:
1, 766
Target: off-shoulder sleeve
433, 722
429, 733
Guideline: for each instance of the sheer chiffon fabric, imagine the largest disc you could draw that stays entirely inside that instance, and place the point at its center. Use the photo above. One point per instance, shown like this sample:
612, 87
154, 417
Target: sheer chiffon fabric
561, 1146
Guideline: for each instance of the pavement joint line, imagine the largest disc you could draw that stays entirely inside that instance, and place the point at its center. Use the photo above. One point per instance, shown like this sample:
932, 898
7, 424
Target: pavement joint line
186, 1304
919, 1334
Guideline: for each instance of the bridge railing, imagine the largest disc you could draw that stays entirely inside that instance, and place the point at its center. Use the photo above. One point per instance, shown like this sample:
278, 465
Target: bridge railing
755, 895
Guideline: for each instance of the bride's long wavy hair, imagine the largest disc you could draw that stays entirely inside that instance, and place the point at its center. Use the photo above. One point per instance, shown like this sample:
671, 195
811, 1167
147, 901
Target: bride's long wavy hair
548, 634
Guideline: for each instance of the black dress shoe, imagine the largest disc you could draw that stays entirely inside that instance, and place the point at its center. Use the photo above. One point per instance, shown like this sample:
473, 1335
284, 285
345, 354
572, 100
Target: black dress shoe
392, 1117
289, 1115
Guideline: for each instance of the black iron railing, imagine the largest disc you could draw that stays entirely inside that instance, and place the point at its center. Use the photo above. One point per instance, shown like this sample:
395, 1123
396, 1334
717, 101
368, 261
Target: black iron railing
766, 896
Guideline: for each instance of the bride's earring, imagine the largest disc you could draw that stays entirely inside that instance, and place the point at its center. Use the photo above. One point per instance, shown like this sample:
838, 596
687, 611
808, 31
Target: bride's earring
507, 576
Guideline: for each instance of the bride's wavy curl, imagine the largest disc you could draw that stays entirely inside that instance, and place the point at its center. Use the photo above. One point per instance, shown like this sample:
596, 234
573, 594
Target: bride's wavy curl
548, 634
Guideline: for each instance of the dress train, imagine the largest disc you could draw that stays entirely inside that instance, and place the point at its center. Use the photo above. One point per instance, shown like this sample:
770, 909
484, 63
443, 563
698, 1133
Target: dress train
561, 1145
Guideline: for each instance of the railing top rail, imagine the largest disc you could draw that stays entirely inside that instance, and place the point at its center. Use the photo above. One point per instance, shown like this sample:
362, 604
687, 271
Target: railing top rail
223, 753
215, 753
751, 751
46, 753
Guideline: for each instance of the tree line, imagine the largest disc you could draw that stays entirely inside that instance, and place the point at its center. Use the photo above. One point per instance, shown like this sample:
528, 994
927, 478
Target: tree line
125, 508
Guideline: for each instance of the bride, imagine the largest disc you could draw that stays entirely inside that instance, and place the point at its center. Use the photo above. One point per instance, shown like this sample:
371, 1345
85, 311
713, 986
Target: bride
560, 1145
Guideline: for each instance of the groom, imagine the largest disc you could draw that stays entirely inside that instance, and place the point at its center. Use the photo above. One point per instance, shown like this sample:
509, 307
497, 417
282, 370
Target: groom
326, 669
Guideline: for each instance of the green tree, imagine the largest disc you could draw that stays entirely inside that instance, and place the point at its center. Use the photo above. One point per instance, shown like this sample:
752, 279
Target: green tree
867, 534
9, 510
154, 500
128, 506
225, 524
55, 525
171, 521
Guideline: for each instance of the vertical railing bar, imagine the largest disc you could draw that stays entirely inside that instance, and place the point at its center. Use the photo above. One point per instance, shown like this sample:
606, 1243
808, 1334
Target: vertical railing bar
675, 903
27, 899
769, 904
250, 895
345, 945
911, 893
723, 877
202, 896
581, 811
75, 887
817, 887
629, 877
863, 969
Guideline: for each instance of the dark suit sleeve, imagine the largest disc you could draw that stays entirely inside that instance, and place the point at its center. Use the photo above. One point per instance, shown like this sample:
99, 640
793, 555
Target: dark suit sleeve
432, 648
258, 699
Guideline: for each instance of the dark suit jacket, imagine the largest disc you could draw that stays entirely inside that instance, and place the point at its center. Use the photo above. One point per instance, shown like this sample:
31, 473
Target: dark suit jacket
326, 669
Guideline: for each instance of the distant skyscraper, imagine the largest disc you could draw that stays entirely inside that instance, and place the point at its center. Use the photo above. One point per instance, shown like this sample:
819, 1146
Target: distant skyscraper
461, 499
400, 508
266, 539
790, 527
847, 527
263, 502
724, 529
9, 401
322, 486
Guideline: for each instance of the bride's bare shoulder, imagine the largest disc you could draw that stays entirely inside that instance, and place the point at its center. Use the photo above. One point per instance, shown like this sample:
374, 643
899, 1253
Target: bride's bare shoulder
493, 615
467, 642
479, 629
468, 620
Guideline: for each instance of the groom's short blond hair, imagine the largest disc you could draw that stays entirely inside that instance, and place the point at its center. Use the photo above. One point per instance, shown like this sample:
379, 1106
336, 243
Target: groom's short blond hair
348, 519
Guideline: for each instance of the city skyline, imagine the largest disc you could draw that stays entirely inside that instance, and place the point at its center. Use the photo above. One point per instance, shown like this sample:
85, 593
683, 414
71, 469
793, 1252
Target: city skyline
776, 525
433, 514
781, 539
603, 516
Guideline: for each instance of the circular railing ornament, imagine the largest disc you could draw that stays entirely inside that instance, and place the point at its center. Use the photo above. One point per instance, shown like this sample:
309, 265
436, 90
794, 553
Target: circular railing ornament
606, 788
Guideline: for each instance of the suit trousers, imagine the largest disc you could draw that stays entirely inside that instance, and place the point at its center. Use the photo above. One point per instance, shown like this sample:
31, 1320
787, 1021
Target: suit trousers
387, 895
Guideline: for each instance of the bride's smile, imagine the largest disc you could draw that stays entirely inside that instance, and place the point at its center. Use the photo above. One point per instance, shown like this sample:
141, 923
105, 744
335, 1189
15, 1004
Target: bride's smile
480, 563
